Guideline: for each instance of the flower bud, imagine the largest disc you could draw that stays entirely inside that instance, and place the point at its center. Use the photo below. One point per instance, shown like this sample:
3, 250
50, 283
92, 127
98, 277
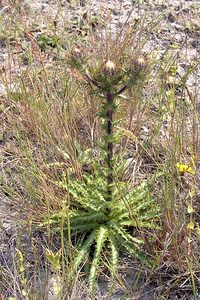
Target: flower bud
77, 50
76, 53
140, 64
109, 68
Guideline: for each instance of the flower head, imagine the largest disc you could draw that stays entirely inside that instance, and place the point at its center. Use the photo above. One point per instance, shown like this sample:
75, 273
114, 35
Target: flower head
76, 53
185, 168
140, 64
109, 68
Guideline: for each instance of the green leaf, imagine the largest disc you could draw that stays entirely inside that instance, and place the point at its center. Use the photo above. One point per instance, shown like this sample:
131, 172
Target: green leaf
87, 218
137, 254
101, 236
84, 227
84, 249
120, 231
114, 253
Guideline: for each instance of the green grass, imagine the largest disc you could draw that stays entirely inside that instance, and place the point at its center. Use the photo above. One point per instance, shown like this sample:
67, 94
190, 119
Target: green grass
80, 201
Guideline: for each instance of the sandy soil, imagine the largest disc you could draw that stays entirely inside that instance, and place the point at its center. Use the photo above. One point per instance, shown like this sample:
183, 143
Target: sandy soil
179, 26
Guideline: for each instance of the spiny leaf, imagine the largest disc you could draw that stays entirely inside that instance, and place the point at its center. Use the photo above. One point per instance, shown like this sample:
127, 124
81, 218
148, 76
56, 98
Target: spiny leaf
101, 236
120, 231
114, 253
84, 227
89, 195
137, 254
86, 218
84, 249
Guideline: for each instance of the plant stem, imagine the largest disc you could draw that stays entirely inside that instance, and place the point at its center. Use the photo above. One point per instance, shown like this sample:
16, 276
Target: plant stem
109, 131
109, 143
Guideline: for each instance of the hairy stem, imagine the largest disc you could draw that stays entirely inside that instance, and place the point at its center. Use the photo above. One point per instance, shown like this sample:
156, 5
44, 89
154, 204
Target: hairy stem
109, 142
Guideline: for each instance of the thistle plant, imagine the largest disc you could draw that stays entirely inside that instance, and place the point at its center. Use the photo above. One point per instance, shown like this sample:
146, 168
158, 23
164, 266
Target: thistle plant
107, 83
109, 227
103, 209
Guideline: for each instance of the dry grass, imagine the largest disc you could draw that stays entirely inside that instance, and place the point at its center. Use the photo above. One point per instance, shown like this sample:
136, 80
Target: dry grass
51, 130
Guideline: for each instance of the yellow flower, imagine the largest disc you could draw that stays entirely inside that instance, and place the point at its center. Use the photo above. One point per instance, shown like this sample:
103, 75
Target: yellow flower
190, 209
185, 168
190, 225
